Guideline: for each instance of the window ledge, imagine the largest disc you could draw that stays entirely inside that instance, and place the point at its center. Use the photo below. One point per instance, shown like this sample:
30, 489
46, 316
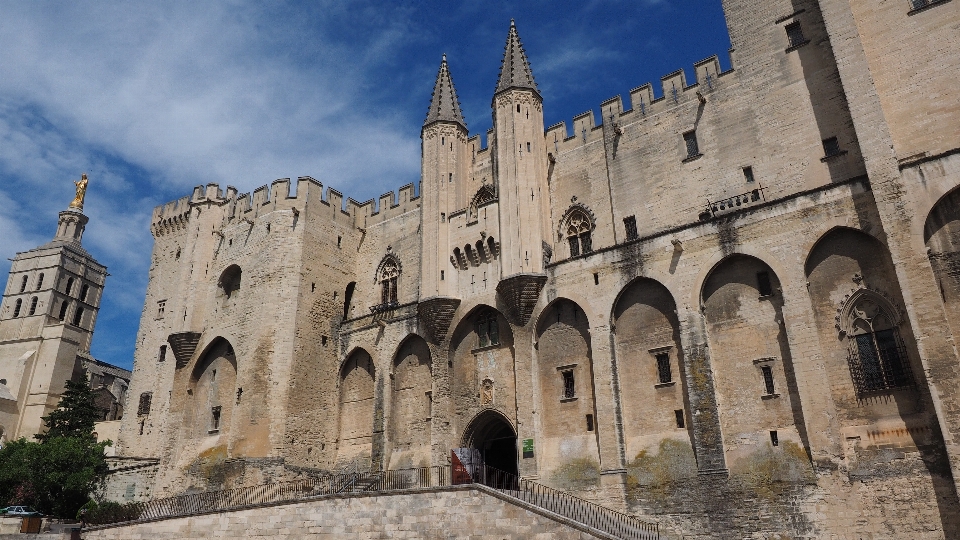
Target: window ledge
770, 396
692, 158
213, 432
797, 46
766, 296
485, 348
833, 156
568, 399
665, 384
929, 5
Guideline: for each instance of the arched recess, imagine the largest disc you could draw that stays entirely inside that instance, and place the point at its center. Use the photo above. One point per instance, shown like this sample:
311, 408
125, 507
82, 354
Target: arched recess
213, 389
411, 405
567, 408
229, 282
852, 279
651, 365
357, 403
941, 233
752, 363
494, 435
481, 361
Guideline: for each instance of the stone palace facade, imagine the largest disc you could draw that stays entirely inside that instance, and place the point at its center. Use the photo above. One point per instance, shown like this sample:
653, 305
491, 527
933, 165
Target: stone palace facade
729, 303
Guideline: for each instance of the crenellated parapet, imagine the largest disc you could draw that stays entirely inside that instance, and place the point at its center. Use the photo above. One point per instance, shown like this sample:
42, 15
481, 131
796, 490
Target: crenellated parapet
282, 194
170, 217
674, 92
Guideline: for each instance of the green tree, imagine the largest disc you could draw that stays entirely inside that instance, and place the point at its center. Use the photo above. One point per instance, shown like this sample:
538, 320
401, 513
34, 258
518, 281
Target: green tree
58, 474
75, 415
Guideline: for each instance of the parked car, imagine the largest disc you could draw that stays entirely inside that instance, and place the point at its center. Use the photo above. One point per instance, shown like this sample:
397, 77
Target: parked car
19, 511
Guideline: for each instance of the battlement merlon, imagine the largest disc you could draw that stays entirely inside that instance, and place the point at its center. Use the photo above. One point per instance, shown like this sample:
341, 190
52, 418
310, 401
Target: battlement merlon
642, 101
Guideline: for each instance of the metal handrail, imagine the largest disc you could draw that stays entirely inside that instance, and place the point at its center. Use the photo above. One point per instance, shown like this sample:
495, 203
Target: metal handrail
564, 504
570, 506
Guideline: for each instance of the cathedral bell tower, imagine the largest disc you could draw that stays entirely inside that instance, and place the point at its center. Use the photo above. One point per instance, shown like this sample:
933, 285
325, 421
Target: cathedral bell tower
520, 169
444, 165
47, 317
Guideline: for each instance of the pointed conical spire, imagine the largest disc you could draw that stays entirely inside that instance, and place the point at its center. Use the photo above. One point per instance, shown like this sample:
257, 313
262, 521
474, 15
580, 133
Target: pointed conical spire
444, 105
515, 70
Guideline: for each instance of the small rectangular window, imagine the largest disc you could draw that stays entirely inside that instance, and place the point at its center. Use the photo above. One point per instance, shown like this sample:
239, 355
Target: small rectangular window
215, 419
630, 223
831, 147
528, 147
596, 278
450, 178
441, 275
143, 408
679, 416
161, 308
774, 438
768, 380
163, 353
748, 174
569, 385
663, 368
323, 341
690, 139
795, 34
763, 284
339, 239
589, 422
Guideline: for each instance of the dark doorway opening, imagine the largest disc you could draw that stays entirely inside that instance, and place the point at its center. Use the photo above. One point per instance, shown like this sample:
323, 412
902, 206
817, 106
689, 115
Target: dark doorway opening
492, 434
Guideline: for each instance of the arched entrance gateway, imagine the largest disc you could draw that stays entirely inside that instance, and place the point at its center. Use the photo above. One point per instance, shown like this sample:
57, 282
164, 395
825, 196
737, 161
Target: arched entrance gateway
493, 440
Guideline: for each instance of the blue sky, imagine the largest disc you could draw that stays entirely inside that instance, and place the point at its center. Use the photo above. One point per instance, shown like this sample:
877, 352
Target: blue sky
152, 98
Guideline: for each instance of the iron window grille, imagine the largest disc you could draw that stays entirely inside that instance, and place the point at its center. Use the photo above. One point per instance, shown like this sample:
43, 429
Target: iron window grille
767, 372
488, 331
215, 419
831, 147
663, 368
690, 140
630, 223
569, 385
878, 362
143, 408
795, 34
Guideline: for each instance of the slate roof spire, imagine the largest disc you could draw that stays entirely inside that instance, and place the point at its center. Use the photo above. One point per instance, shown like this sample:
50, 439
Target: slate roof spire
515, 70
444, 105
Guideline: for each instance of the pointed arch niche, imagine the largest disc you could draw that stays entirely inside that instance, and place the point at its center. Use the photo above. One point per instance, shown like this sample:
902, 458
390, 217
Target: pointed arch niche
355, 439
482, 368
751, 358
411, 405
651, 365
213, 390
941, 233
568, 416
864, 336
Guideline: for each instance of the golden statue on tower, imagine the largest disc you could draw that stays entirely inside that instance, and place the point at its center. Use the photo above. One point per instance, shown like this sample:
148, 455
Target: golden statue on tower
81, 191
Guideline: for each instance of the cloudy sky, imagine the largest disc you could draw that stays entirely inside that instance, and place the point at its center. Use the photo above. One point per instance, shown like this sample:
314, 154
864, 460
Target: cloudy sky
152, 98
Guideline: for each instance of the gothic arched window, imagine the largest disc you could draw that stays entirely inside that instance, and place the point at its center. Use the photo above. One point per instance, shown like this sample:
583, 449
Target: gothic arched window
388, 276
488, 330
578, 225
18, 307
877, 357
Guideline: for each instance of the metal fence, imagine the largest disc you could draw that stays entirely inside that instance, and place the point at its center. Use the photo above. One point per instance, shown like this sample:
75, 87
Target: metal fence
587, 513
